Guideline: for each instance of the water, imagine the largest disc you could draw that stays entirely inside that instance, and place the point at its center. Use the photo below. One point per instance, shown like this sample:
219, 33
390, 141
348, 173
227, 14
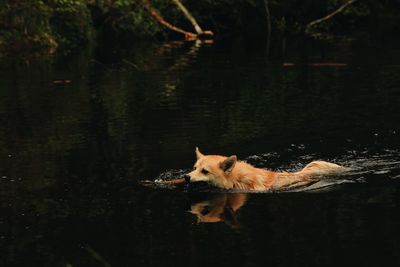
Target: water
78, 132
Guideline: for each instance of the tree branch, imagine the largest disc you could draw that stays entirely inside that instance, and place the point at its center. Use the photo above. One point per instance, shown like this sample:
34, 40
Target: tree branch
192, 20
268, 17
329, 16
161, 20
188, 16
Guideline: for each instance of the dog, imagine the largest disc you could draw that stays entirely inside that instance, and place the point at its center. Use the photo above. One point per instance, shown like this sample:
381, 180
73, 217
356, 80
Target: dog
229, 173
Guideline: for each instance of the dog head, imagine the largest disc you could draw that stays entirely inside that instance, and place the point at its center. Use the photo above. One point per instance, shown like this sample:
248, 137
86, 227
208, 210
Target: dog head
211, 168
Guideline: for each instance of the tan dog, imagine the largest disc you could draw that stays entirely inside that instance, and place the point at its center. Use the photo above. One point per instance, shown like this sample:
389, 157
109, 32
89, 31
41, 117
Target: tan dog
229, 173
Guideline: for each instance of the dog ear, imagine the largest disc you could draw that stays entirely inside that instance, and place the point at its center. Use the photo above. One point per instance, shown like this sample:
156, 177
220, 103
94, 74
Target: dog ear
198, 154
228, 164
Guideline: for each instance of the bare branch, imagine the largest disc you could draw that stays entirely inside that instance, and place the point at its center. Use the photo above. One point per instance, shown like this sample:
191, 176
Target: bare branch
188, 16
192, 20
161, 20
329, 16
267, 13
268, 17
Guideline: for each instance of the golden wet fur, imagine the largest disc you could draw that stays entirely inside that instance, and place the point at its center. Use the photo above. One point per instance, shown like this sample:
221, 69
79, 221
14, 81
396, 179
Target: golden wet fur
229, 173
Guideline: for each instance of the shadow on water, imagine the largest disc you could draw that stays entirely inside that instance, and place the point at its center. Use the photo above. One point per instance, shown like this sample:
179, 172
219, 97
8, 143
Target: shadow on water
77, 133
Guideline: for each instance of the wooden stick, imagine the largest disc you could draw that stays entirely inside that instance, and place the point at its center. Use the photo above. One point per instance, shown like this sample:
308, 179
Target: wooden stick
180, 181
340, 9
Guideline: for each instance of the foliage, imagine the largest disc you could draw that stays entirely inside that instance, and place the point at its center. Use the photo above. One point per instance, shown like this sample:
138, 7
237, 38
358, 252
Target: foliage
71, 22
25, 24
46, 24
123, 16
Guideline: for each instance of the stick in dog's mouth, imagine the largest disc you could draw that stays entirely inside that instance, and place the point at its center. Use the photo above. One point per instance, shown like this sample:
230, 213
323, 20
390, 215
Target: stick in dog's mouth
180, 181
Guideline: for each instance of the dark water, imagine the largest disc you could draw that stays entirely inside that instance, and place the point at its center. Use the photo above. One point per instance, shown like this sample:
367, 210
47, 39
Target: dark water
78, 132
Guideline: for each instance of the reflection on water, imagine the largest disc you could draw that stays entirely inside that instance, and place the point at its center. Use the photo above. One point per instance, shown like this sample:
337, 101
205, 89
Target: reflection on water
71, 152
219, 208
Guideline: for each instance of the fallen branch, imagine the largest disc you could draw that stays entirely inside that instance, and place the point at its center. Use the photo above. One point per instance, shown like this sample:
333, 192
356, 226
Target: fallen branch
161, 20
188, 16
192, 20
186, 13
329, 16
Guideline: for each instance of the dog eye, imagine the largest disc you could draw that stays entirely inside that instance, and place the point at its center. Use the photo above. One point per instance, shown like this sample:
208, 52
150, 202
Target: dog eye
204, 171
194, 168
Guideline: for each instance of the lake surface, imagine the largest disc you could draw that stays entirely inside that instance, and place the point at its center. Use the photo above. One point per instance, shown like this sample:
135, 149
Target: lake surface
78, 132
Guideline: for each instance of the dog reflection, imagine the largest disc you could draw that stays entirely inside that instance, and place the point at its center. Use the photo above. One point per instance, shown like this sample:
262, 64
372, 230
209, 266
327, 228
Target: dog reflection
219, 208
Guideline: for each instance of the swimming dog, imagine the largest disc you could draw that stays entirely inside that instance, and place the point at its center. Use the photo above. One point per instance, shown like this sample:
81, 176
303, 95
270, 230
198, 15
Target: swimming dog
229, 173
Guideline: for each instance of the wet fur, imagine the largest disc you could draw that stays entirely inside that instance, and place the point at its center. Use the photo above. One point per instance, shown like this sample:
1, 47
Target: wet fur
229, 173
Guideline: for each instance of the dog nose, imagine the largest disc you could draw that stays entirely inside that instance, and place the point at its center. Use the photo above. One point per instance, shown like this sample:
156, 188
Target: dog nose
187, 178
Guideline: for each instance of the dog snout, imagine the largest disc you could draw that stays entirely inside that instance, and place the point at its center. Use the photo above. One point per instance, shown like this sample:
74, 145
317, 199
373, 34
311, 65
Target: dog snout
187, 178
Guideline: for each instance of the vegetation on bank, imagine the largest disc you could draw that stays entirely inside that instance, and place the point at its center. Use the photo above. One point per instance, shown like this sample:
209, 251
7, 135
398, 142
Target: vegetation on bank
47, 25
